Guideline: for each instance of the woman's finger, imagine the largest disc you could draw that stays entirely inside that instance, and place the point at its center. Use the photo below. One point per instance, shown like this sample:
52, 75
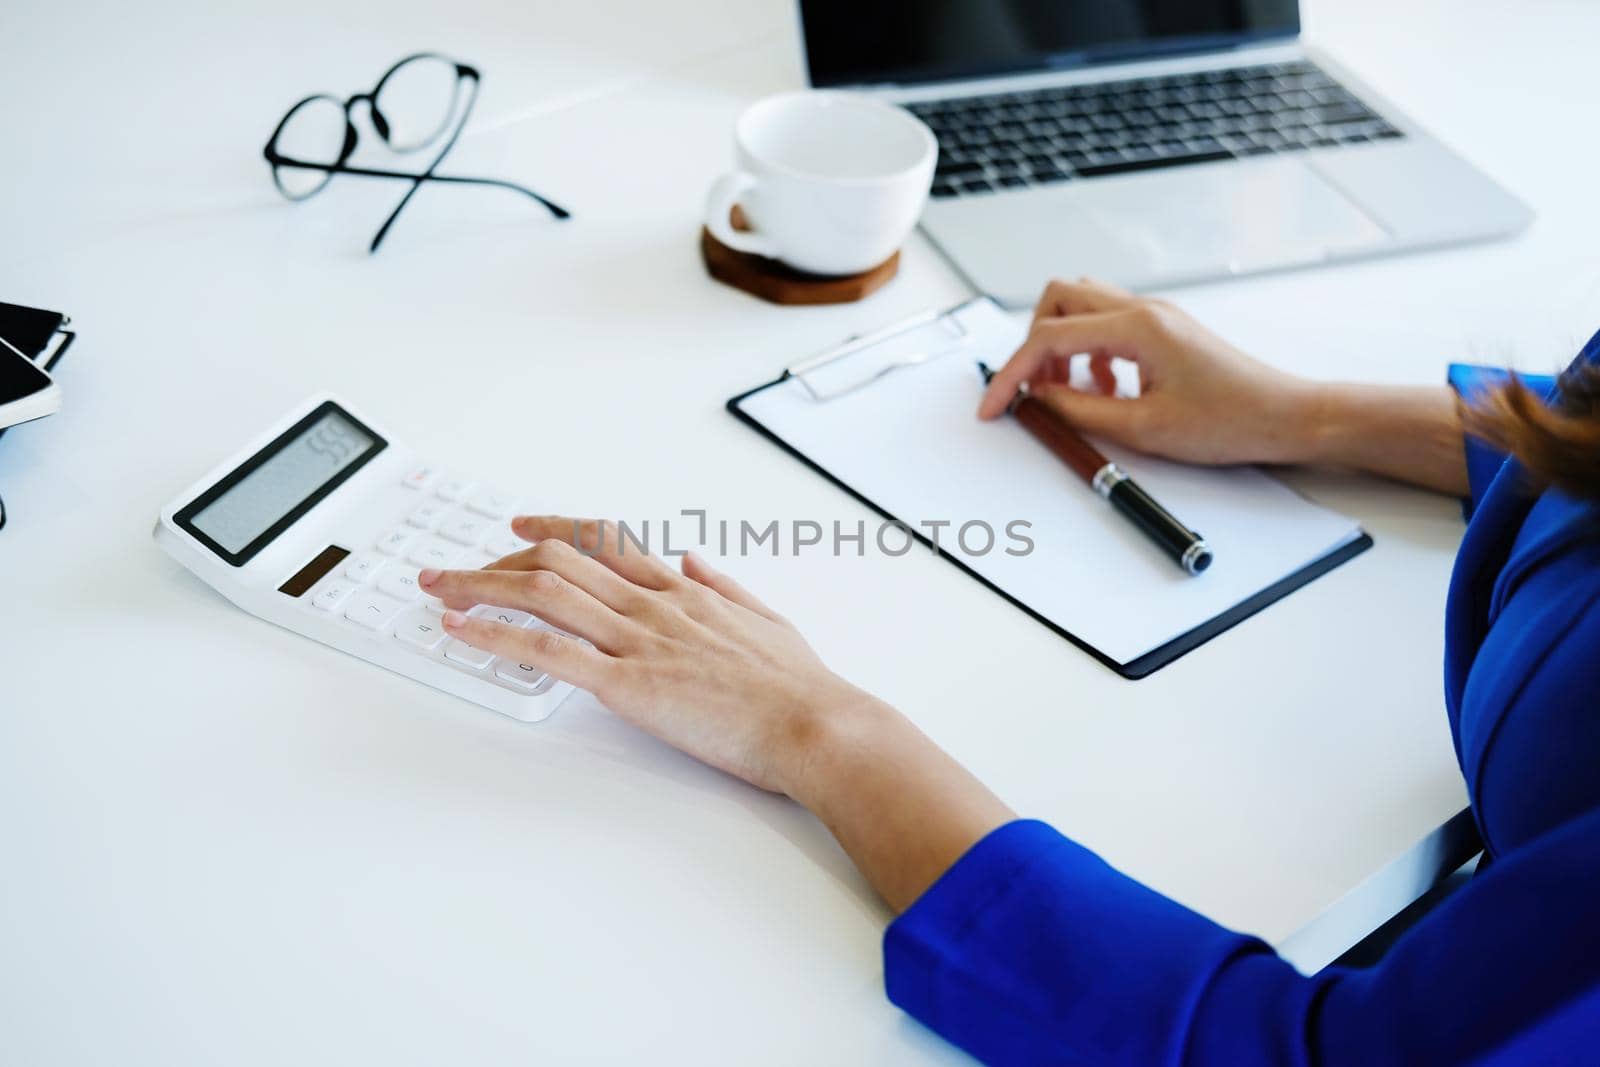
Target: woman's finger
1113, 332
698, 570
1117, 419
1062, 298
1053, 370
1105, 379
566, 658
543, 593
585, 572
602, 541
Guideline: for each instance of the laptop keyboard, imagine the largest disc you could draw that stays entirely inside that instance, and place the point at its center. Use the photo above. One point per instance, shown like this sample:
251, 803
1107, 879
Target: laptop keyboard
1015, 140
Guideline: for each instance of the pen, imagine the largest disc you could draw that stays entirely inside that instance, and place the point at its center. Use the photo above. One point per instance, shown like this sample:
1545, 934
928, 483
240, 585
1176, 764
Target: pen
1186, 547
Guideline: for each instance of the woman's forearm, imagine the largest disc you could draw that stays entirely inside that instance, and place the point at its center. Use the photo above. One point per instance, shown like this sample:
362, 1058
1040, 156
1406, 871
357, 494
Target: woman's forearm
1411, 434
904, 810
901, 807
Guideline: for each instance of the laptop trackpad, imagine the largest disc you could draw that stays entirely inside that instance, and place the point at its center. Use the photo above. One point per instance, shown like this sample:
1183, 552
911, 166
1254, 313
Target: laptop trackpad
1254, 214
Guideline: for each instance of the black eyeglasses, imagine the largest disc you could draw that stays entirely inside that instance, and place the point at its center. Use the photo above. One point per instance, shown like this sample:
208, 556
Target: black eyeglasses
418, 101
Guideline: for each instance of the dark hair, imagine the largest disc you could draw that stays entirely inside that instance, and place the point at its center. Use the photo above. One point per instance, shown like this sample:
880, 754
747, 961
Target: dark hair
1559, 445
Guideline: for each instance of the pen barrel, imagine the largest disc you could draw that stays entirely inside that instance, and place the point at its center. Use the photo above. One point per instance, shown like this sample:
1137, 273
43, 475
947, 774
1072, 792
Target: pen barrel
1186, 547
1049, 429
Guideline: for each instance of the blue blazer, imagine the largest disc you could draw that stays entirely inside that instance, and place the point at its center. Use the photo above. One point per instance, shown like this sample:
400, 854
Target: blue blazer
1032, 950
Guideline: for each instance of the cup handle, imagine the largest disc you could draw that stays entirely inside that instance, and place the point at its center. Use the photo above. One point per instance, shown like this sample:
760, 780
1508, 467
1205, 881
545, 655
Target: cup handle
725, 193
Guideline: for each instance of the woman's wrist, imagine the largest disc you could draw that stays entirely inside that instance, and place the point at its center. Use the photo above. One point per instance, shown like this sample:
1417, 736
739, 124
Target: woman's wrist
1409, 433
1318, 421
1297, 416
902, 807
1325, 422
823, 734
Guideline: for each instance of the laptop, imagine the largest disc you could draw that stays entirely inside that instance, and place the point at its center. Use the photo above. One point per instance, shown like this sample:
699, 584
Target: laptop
1151, 143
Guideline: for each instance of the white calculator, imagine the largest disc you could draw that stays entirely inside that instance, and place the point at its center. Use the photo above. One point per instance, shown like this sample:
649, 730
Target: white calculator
321, 525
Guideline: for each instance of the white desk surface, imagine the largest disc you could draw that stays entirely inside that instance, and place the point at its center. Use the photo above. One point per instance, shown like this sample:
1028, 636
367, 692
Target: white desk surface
225, 844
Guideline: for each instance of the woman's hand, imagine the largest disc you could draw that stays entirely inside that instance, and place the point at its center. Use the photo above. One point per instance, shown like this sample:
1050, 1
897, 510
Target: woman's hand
1201, 400
703, 665
693, 658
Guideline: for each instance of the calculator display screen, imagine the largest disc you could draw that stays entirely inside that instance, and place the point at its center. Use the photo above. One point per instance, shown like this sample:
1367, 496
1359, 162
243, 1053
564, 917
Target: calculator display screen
243, 512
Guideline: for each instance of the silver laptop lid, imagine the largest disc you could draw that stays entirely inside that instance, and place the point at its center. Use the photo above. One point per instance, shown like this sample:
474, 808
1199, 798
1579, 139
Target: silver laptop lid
898, 42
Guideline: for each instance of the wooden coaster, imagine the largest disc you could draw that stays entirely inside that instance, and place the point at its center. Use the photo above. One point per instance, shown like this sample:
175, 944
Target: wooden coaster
774, 282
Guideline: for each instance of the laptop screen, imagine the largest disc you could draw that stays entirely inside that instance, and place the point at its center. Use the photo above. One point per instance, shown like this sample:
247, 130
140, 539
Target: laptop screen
853, 42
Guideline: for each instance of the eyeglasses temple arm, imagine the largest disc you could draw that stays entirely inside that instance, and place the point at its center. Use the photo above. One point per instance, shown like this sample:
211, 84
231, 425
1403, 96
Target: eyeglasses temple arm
555, 209
368, 172
463, 76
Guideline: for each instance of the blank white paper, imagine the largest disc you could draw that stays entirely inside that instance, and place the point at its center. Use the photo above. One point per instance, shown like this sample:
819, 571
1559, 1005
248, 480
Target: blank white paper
912, 444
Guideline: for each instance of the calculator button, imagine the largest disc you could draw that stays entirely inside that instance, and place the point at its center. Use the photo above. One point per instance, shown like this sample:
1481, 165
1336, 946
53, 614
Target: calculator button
426, 516
524, 676
433, 552
363, 566
509, 616
433, 605
333, 594
465, 530
401, 583
394, 542
453, 488
420, 630
421, 478
503, 544
464, 654
494, 505
372, 610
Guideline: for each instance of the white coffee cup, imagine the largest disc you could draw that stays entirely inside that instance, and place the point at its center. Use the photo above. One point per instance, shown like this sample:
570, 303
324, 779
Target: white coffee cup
829, 182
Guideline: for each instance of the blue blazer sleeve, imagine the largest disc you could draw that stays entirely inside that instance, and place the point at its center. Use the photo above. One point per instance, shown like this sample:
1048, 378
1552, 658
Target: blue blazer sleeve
1483, 460
1032, 950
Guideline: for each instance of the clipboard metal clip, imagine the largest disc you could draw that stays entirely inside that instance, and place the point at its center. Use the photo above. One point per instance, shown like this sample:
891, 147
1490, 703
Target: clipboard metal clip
909, 343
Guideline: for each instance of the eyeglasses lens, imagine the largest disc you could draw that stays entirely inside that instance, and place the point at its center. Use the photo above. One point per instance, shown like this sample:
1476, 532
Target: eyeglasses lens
418, 100
313, 133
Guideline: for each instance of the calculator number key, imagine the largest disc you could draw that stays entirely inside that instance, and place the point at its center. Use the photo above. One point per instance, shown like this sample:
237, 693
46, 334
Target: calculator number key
401, 583
460, 652
509, 616
524, 676
433, 552
372, 610
421, 630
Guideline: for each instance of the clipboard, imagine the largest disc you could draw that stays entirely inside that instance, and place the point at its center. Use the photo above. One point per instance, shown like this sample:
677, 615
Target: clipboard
918, 359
